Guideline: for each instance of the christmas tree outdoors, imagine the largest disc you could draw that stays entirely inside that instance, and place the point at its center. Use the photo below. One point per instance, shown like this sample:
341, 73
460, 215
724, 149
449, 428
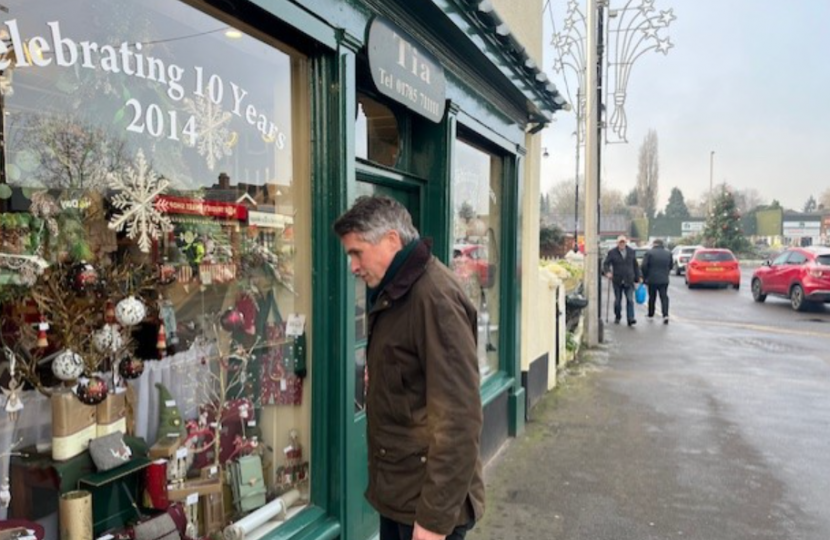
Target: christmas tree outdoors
723, 226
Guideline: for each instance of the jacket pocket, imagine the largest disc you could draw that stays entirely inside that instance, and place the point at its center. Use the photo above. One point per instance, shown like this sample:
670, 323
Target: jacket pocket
400, 477
396, 395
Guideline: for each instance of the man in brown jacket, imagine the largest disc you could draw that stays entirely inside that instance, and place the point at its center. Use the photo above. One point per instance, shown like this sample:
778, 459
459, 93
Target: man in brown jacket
423, 404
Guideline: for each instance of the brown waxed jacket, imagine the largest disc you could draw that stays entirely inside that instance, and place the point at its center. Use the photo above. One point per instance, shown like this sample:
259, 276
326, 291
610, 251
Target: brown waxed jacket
423, 403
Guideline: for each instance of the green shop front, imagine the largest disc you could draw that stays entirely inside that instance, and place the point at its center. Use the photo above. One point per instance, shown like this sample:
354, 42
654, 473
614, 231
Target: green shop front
183, 345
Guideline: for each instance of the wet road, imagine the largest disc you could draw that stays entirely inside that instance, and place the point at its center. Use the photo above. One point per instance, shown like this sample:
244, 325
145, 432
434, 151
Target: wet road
716, 426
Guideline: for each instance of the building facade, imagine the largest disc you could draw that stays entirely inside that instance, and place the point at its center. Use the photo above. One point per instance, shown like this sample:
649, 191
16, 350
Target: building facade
171, 289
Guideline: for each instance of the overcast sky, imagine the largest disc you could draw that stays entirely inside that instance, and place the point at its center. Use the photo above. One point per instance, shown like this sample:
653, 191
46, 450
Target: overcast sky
747, 79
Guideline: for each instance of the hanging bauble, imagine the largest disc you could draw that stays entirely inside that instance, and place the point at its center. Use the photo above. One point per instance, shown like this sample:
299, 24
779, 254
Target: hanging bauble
131, 368
68, 366
83, 277
107, 339
130, 311
91, 390
167, 274
42, 341
161, 339
232, 320
109, 312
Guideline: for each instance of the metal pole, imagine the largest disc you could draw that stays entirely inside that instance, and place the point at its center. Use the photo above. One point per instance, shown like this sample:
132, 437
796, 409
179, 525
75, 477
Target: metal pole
576, 192
599, 126
711, 187
591, 282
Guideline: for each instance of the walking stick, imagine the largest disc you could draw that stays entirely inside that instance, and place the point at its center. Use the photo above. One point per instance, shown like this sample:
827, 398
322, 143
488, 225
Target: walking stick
607, 299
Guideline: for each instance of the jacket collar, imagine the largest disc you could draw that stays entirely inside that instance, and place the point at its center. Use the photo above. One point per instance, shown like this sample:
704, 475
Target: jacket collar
413, 268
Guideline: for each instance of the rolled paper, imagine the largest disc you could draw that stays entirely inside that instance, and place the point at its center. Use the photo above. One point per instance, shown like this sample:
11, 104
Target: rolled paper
76, 515
276, 508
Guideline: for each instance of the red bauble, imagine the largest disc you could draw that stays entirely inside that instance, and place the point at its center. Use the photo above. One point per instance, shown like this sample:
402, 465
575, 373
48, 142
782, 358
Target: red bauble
232, 320
131, 368
92, 391
83, 277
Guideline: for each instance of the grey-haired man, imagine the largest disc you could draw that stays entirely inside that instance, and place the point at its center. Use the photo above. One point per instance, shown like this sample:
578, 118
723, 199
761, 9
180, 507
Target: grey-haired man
423, 406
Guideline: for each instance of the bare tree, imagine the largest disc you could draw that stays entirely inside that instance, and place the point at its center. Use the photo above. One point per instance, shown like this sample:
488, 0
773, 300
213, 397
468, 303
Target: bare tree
824, 200
648, 174
562, 198
747, 200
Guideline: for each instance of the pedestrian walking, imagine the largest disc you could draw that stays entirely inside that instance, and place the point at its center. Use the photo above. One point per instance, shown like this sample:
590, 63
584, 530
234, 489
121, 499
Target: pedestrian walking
423, 405
657, 265
620, 266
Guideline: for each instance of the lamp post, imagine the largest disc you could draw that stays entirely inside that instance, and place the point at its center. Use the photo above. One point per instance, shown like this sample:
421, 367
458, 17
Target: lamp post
711, 175
608, 48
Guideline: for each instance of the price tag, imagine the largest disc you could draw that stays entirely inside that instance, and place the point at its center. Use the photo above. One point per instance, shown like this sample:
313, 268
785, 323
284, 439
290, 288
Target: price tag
170, 403
295, 326
172, 435
213, 470
287, 449
251, 423
283, 385
106, 537
181, 453
192, 499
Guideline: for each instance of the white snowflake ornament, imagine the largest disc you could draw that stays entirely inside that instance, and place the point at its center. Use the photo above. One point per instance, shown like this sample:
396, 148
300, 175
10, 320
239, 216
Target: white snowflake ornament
214, 139
130, 311
141, 214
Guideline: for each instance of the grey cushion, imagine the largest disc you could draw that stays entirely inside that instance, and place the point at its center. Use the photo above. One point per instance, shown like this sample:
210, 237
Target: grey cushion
161, 527
109, 451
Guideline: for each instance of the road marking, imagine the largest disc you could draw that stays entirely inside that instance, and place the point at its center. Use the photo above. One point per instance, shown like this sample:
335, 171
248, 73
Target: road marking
758, 327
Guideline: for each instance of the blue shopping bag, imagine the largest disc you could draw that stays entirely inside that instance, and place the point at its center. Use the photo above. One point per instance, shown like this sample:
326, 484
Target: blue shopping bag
640, 294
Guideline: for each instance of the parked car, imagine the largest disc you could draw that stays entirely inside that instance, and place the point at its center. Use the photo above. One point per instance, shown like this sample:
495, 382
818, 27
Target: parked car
681, 255
472, 260
800, 274
713, 267
639, 253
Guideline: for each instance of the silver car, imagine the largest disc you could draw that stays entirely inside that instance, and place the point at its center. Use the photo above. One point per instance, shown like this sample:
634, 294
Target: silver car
681, 255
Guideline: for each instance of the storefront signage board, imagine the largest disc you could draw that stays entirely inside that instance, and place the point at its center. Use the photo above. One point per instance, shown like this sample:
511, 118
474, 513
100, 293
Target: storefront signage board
404, 71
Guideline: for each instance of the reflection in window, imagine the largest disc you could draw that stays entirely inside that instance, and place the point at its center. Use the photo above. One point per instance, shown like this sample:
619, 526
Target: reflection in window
377, 137
477, 195
155, 228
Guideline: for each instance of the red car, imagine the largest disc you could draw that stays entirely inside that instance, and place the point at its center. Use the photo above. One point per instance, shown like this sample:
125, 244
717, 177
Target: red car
800, 274
713, 267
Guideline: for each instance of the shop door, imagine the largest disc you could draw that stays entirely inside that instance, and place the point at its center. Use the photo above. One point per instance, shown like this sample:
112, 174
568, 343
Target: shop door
365, 520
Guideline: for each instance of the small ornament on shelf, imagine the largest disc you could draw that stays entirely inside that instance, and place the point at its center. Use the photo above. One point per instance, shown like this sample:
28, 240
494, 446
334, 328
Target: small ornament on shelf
161, 340
108, 339
83, 277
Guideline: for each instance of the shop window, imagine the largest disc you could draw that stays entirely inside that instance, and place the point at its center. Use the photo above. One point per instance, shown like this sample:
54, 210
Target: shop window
155, 268
477, 200
377, 135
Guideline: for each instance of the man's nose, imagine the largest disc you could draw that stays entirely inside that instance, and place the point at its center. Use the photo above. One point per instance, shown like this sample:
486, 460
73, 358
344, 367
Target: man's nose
355, 265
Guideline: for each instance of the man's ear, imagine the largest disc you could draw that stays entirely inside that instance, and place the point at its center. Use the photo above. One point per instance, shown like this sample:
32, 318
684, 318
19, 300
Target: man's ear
395, 239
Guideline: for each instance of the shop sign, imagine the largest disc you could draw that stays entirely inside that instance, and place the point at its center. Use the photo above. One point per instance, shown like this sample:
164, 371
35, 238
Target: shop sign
267, 220
794, 229
405, 72
195, 207
688, 228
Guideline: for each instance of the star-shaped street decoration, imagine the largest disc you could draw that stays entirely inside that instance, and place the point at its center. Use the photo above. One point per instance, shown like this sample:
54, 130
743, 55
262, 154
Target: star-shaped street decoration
569, 23
664, 45
666, 17
558, 66
646, 7
572, 6
650, 32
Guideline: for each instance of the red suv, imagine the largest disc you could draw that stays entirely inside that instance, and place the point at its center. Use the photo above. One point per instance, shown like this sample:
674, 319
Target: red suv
800, 274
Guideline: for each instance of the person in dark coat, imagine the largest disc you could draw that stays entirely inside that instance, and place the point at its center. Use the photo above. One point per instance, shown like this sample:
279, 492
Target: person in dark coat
423, 403
620, 266
657, 264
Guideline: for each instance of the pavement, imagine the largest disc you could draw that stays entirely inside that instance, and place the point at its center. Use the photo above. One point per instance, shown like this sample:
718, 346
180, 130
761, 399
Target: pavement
649, 437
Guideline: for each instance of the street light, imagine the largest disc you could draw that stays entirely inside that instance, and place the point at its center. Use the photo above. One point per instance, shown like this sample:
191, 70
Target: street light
581, 45
711, 170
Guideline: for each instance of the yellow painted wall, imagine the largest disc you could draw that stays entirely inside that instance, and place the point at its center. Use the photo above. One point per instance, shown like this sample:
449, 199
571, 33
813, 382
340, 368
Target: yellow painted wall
524, 17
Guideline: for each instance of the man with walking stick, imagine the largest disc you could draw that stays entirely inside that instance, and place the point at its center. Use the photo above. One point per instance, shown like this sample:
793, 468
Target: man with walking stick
621, 267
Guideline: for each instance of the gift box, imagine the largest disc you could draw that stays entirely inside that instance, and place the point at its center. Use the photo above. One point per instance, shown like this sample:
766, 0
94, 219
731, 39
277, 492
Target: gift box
247, 483
111, 414
73, 425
